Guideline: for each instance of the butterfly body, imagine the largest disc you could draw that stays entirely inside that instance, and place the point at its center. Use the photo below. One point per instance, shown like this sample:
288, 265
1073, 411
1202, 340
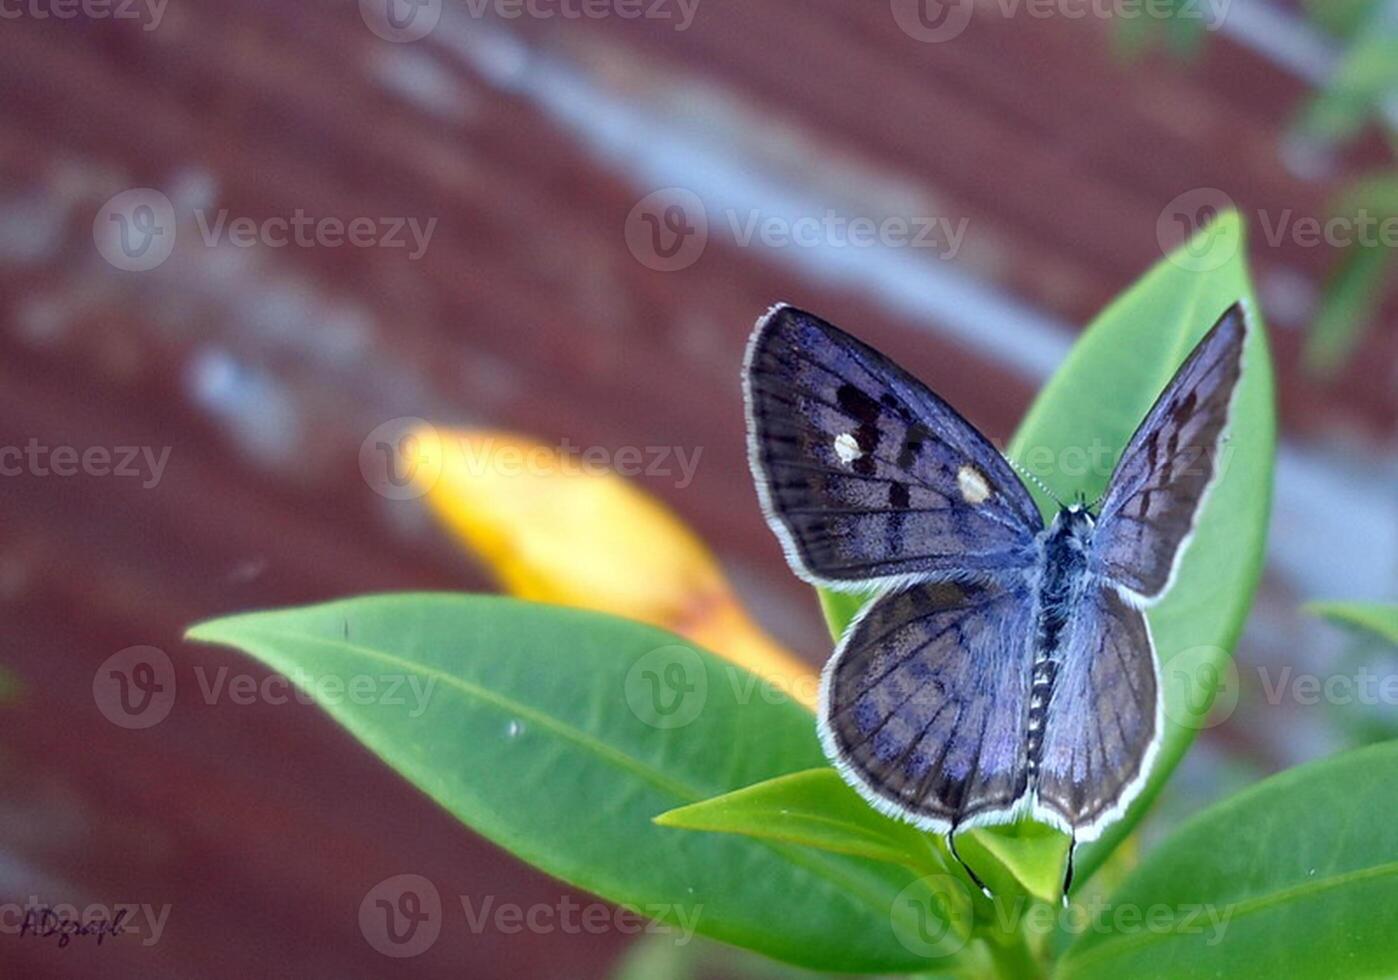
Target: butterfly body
1005, 666
1061, 578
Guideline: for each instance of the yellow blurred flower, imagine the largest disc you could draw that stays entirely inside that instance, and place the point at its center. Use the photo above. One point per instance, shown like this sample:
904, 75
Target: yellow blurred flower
555, 530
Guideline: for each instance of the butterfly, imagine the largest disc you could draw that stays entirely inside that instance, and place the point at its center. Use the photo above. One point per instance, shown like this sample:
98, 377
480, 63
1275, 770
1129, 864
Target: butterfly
1005, 667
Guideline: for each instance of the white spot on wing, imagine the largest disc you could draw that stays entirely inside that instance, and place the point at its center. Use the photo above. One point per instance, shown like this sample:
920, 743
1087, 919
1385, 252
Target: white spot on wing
847, 448
972, 483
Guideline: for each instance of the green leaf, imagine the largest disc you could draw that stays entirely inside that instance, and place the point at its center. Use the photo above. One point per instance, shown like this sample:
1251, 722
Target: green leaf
1378, 618
1077, 427
1295, 877
840, 608
1086, 414
560, 733
1366, 76
1348, 306
814, 808
1341, 18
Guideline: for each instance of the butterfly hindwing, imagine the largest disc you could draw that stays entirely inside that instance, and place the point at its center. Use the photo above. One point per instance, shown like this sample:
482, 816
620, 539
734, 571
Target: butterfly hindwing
868, 477
1155, 492
923, 704
1103, 718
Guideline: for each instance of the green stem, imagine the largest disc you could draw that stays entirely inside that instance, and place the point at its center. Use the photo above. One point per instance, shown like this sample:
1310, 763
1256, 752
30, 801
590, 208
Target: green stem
1013, 958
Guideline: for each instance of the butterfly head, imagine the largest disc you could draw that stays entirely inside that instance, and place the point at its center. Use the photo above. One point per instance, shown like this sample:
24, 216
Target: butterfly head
1075, 521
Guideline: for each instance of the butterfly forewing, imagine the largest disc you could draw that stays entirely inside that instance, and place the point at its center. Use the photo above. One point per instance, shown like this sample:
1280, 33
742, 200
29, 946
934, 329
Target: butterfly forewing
1155, 492
866, 475
924, 703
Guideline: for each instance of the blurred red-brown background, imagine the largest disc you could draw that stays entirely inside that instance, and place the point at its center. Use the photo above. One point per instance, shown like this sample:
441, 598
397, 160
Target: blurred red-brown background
525, 145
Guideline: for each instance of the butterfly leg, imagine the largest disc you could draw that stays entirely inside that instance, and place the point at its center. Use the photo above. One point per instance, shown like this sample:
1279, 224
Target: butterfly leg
951, 846
1068, 873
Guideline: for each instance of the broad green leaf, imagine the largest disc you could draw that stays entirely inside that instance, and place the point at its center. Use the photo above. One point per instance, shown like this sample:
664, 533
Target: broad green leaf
1295, 877
560, 733
814, 808
1084, 417
1378, 618
818, 809
1078, 426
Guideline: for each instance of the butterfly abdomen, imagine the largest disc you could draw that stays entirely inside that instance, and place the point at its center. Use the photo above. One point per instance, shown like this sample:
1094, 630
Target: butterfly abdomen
1064, 567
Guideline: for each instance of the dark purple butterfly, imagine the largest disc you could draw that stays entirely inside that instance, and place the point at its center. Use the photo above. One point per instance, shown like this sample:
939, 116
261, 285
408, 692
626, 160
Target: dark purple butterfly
1006, 667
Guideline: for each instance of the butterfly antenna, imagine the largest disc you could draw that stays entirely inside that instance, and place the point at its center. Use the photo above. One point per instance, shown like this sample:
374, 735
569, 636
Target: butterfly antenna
1068, 874
1036, 481
951, 846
